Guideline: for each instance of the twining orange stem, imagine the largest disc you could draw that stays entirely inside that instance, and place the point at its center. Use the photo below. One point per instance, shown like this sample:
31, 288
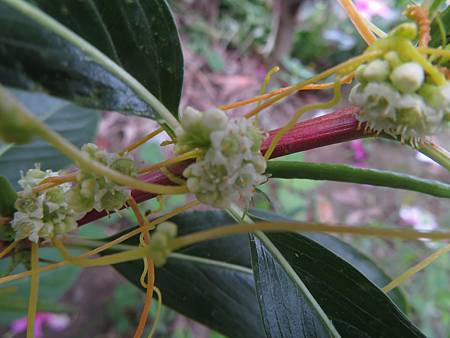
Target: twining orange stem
320, 86
420, 15
150, 271
359, 23
5, 220
54, 181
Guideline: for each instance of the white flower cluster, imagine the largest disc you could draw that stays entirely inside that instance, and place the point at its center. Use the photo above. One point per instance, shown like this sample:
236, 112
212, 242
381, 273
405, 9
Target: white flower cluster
395, 97
98, 192
42, 214
232, 164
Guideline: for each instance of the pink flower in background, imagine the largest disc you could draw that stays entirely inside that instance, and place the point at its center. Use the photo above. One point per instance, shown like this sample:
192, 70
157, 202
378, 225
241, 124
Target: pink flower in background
359, 152
56, 322
420, 219
371, 8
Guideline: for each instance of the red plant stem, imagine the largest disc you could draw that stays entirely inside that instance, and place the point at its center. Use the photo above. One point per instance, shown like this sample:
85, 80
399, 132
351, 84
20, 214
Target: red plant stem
340, 126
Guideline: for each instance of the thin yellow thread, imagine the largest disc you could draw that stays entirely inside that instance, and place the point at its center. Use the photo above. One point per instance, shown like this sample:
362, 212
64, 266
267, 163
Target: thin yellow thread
146, 138
299, 113
34, 289
8, 249
360, 24
342, 68
158, 312
416, 268
345, 80
180, 158
106, 246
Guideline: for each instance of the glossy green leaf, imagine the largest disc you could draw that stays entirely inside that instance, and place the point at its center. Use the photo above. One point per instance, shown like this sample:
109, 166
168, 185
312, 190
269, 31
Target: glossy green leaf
210, 282
78, 125
7, 197
284, 309
351, 255
138, 35
356, 307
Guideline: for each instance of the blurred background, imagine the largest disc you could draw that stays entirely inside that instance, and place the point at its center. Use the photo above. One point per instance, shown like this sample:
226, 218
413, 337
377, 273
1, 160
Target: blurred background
229, 45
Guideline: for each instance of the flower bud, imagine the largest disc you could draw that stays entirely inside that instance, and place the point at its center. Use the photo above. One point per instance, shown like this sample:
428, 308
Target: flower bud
393, 58
96, 192
406, 30
359, 73
408, 77
191, 118
377, 70
161, 237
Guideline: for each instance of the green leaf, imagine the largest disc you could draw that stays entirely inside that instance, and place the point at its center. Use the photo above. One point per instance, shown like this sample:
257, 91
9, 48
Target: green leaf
435, 33
351, 255
138, 35
210, 282
284, 309
76, 124
345, 173
8, 197
356, 307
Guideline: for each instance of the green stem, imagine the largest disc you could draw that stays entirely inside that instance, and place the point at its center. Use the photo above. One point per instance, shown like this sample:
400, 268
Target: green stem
436, 153
86, 163
96, 55
345, 173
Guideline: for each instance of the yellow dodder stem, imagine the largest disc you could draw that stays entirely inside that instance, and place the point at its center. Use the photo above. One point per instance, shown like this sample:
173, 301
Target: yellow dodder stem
149, 269
416, 268
180, 158
158, 312
103, 247
434, 51
8, 249
358, 21
215, 233
307, 227
146, 138
317, 86
34, 289
54, 181
298, 114
342, 69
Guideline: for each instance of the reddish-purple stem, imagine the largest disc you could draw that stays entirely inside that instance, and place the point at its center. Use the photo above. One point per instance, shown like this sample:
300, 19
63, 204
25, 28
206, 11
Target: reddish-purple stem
328, 129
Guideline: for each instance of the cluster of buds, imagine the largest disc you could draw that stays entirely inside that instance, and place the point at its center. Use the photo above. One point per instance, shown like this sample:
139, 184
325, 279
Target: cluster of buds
396, 97
161, 237
42, 214
231, 165
92, 191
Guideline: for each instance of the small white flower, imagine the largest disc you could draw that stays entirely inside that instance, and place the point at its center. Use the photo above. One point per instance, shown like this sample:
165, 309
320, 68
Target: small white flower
44, 214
